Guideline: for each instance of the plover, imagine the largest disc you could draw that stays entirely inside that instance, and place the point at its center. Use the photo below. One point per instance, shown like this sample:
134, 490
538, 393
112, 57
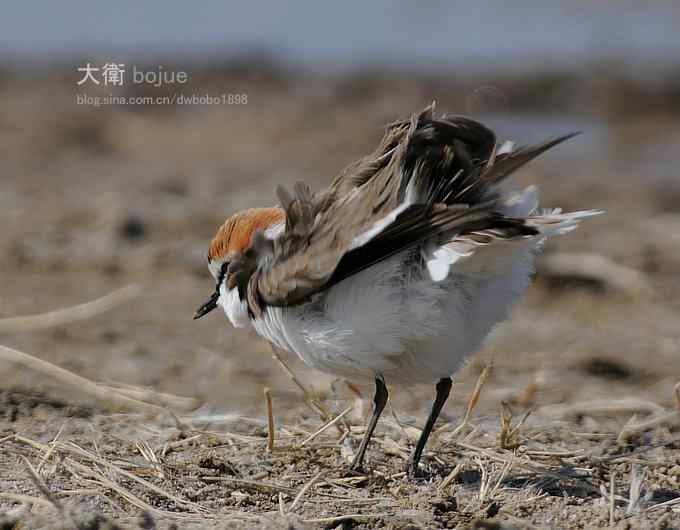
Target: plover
400, 268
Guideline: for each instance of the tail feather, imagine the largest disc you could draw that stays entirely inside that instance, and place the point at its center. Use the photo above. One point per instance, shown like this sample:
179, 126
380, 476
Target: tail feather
507, 163
552, 221
456, 160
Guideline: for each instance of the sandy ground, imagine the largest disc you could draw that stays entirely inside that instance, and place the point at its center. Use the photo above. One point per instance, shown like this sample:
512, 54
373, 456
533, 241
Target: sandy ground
93, 199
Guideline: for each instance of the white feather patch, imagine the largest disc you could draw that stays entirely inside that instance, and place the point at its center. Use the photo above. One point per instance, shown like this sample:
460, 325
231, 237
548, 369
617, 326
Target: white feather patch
440, 260
506, 147
234, 308
378, 226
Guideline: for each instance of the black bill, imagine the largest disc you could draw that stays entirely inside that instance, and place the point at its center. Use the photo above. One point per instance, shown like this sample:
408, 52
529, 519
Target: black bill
208, 306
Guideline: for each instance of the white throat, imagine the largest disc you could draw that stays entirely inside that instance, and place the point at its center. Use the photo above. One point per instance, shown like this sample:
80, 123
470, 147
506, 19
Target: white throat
235, 309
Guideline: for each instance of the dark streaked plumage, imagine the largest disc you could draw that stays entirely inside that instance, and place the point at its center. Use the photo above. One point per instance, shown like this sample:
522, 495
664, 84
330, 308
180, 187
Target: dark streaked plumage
437, 173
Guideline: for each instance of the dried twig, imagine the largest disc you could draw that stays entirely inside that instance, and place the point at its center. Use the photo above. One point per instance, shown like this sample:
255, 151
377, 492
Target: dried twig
304, 490
450, 477
72, 448
150, 456
509, 435
282, 507
148, 395
103, 396
612, 499
40, 484
51, 447
487, 486
270, 420
632, 427
328, 424
532, 467
637, 478
474, 399
310, 400
70, 314
28, 499
107, 483
666, 504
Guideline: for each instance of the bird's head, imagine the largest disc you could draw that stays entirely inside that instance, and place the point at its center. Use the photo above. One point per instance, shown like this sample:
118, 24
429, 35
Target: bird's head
228, 246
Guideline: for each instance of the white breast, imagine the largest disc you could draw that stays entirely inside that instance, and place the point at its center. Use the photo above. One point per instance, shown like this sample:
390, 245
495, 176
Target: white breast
411, 329
357, 328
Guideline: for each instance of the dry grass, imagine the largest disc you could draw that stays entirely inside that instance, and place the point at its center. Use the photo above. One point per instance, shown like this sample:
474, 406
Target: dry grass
211, 470
108, 396
69, 315
192, 474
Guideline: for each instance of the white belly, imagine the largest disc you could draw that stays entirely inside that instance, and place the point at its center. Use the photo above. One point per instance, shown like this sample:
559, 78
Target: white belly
395, 321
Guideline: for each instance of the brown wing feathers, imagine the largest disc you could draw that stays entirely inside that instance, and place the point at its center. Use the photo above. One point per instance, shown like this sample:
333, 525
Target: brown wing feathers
418, 224
446, 166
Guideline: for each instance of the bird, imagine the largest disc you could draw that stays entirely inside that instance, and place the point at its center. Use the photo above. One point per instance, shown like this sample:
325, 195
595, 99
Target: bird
398, 270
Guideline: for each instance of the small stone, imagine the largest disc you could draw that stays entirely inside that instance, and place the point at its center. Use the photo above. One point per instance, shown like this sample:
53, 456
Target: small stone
239, 495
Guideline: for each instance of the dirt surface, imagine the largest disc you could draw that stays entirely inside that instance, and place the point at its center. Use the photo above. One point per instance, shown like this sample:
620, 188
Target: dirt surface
93, 199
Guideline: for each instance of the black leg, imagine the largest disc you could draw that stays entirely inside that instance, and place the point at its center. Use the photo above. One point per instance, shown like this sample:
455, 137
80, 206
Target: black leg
443, 391
379, 402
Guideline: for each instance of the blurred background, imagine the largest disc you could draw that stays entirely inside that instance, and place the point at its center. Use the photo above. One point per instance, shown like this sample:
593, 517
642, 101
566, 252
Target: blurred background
100, 193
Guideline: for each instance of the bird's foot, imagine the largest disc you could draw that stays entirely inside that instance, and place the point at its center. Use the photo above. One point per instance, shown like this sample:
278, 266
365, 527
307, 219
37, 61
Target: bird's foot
357, 472
414, 472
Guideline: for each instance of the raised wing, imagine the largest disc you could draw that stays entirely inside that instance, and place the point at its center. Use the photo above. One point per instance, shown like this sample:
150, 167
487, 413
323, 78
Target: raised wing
431, 179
